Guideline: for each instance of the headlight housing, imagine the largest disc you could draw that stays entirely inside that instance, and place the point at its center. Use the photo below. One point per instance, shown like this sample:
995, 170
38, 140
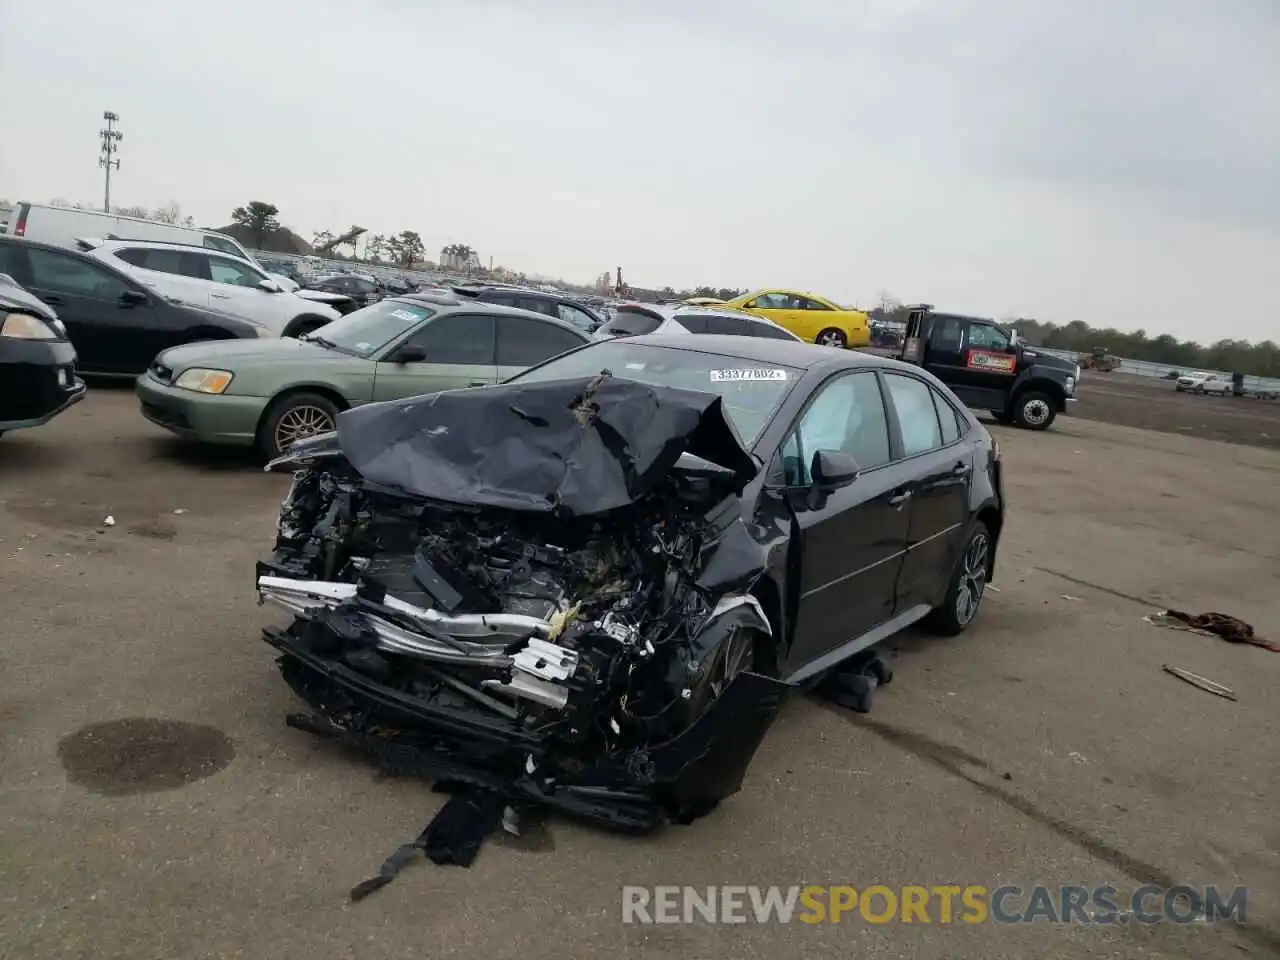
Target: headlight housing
1071, 386
204, 380
27, 326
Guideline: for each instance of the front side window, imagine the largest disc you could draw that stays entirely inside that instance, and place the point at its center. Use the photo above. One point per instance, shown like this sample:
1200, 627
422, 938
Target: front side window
230, 272
775, 301
848, 416
66, 274
984, 336
917, 417
571, 314
462, 338
522, 341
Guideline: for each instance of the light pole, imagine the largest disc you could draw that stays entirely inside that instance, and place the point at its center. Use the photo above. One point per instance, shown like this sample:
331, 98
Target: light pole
111, 138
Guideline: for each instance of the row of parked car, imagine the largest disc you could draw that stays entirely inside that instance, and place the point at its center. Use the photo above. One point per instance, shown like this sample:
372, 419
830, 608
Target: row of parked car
224, 353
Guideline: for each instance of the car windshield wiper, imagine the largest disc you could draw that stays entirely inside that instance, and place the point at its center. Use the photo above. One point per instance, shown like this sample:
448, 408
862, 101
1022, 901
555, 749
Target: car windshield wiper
327, 344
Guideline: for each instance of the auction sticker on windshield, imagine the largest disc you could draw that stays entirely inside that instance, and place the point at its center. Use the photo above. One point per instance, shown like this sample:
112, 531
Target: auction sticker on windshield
753, 373
406, 315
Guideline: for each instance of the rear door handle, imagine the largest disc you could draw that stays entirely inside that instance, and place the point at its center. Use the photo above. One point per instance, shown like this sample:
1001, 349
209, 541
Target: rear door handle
961, 469
51, 298
220, 296
478, 383
898, 499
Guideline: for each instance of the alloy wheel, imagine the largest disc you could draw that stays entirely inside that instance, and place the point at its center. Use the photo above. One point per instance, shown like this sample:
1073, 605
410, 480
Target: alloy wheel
301, 422
830, 339
973, 578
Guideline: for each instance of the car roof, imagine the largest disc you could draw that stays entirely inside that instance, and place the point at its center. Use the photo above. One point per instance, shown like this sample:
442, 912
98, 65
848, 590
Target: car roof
789, 353
457, 304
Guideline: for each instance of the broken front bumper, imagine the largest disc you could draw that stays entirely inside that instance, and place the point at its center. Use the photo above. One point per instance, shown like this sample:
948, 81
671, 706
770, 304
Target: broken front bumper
674, 781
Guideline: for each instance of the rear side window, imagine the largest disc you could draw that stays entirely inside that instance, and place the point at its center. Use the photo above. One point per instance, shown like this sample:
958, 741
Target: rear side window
948, 419
917, 417
161, 261
9, 259
627, 323
523, 342
745, 328
693, 323
463, 338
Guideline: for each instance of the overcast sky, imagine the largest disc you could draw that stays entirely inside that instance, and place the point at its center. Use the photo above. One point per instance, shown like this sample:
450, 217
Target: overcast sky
1114, 162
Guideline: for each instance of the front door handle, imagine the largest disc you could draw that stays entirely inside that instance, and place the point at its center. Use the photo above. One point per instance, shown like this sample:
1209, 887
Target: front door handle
898, 499
51, 298
478, 383
220, 296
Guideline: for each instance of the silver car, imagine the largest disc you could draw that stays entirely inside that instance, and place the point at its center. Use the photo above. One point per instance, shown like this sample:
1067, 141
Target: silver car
639, 319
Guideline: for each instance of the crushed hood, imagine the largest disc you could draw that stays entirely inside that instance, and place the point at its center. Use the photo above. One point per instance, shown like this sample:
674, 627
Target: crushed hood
569, 447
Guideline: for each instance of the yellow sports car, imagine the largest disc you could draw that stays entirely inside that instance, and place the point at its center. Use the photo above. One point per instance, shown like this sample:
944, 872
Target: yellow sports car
809, 317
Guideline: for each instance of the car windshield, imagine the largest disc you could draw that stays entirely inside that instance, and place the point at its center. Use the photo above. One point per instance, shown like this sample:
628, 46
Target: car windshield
365, 332
751, 390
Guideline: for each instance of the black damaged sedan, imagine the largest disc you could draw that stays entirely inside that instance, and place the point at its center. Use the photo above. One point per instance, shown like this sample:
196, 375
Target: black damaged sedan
37, 362
593, 587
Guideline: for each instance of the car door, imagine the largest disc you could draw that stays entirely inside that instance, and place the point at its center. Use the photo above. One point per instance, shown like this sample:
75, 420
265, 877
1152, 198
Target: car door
109, 330
989, 365
783, 309
813, 317
936, 465
459, 349
236, 290
847, 547
525, 341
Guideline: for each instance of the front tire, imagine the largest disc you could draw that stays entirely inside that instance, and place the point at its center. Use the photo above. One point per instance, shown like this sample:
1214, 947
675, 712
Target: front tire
831, 337
304, 325
1033, 410
967, 587
292, 417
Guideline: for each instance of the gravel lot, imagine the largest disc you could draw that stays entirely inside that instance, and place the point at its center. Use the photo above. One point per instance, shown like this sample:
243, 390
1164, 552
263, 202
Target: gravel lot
1046, 746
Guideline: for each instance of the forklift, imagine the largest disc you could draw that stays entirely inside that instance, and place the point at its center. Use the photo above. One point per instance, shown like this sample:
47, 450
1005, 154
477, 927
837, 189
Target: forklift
988, 368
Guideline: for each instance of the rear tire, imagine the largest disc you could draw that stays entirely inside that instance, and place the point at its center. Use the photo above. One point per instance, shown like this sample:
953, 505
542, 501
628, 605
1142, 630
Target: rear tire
1033, 410
967, 587
294, 416
831, 337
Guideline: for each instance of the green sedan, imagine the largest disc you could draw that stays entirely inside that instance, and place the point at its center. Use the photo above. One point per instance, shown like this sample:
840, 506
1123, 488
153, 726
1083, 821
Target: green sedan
268, 393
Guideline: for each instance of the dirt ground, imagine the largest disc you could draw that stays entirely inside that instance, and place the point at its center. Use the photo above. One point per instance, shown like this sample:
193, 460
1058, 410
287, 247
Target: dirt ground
154, 804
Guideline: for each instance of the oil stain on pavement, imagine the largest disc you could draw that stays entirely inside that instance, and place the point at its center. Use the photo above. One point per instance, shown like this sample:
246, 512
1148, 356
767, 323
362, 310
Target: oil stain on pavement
143, 755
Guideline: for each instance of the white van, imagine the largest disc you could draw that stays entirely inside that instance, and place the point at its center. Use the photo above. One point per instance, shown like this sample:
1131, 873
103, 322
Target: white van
62, 225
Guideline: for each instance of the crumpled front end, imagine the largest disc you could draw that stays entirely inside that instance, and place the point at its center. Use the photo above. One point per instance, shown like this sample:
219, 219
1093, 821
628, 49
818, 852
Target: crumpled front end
596, 661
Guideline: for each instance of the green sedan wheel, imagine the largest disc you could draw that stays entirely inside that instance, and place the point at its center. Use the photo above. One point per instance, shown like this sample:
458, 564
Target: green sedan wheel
294, 417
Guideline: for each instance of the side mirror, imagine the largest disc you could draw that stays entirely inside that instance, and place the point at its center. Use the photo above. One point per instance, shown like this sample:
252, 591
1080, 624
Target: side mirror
833, 469
133, 298
408, 353
269, 285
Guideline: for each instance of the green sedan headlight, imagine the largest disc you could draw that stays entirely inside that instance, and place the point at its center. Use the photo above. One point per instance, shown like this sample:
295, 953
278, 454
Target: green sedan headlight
202, 380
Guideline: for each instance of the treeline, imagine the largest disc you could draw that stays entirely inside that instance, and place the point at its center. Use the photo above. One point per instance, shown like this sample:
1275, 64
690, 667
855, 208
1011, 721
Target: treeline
1233, 356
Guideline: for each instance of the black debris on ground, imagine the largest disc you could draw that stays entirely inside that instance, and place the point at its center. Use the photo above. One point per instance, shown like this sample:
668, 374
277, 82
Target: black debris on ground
853, 684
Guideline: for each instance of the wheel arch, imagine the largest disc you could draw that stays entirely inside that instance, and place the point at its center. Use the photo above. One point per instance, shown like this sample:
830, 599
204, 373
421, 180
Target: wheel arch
992, 515
304, 322
323, 389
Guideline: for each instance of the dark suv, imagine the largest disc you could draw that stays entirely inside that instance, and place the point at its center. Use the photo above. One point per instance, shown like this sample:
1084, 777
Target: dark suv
550, 304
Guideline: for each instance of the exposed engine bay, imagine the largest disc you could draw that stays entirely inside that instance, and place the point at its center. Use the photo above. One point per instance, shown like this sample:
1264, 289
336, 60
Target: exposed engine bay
482, 620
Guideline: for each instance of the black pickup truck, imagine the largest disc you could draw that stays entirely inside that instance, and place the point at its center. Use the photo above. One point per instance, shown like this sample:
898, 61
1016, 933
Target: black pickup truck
989, 368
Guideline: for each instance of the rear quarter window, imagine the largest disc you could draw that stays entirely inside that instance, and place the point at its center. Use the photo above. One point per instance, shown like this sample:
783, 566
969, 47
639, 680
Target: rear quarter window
628, 324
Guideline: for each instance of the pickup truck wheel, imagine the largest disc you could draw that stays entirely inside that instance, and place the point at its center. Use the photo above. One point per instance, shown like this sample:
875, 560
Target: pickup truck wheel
1034, 410
295, 416
968, 584
831, 337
